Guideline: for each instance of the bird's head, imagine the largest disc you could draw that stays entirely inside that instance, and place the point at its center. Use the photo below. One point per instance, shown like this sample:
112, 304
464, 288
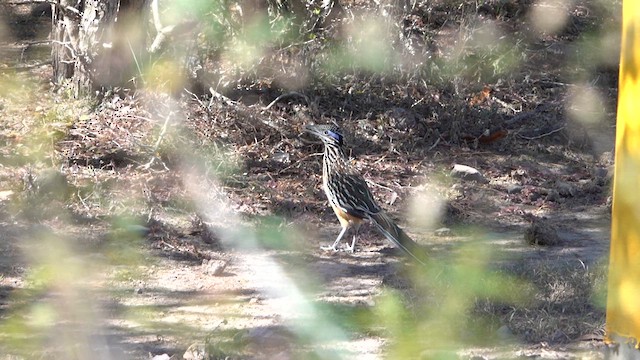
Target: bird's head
330, 134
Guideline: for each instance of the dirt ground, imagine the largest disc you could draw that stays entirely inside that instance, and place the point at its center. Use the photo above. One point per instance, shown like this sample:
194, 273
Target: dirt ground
150, 226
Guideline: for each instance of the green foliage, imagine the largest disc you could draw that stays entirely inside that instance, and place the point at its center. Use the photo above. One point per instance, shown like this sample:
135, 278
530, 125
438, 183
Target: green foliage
440, 315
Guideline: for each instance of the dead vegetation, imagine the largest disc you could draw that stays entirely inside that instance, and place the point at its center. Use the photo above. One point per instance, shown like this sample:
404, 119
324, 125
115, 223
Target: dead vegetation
513, 108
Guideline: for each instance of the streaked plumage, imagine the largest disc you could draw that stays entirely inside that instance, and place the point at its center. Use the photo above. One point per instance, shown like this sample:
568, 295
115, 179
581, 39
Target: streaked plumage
350, 197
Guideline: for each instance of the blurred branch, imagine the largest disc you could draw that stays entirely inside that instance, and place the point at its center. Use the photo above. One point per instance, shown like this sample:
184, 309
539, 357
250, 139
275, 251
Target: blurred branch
28, 2
164, 32
52, 2
153, 159
24, 67
155, 12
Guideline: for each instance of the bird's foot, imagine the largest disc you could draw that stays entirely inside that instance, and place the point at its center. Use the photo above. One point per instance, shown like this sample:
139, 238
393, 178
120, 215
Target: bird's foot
329, 248
350, 249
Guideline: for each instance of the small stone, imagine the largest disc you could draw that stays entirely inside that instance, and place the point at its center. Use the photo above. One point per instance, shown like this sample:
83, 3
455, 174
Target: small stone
214, 267
281, 156
444, 231
534, 195
504, 333
514, 189
600, 172
519, 174
558, 336
465, 172
138, 290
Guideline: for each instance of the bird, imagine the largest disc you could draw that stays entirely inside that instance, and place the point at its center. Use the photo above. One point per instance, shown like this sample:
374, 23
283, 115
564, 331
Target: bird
350, 196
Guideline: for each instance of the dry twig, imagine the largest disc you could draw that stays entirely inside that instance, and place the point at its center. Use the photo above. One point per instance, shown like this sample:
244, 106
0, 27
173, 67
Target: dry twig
542, 135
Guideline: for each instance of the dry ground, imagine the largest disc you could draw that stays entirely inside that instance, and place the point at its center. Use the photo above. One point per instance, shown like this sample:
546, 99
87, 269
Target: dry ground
145, 224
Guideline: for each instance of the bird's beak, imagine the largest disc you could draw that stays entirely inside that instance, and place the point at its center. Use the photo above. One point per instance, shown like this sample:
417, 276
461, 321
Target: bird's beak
312, 129
310, 134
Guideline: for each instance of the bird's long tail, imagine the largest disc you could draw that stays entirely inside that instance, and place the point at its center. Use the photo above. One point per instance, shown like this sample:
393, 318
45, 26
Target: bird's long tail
396, 235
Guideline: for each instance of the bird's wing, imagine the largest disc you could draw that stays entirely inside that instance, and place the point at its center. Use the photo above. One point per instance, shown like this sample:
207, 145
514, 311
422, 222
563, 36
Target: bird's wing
354, 197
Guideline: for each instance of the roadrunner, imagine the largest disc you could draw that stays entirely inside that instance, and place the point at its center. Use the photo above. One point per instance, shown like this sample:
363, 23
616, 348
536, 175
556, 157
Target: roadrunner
350, 197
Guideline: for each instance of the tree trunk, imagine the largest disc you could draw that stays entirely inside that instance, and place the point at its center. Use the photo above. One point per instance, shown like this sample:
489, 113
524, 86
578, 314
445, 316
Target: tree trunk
97, 44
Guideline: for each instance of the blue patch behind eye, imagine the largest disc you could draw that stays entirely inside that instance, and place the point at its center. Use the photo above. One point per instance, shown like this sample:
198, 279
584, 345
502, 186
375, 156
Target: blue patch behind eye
335, 135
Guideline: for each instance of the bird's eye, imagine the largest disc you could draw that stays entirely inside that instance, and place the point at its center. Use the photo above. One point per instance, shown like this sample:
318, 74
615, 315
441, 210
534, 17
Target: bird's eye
326, 132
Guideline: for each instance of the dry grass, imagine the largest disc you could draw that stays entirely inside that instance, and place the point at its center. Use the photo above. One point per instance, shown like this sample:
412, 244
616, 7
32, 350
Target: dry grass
568, 303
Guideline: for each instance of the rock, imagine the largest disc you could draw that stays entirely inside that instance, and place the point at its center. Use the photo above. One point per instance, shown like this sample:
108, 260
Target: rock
553, 195
49, 183
590, 186
161, 357
137, 229
401, 119
444, 231
504, 333
465, 172
6, 195
565, 189
269, 339
197, 351
541, 233
514, 189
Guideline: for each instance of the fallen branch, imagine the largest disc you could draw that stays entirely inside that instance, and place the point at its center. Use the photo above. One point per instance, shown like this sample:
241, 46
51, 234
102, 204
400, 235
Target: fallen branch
24, 67
434, 144
196, 98
285, 96
217, 95
505, 104
542, 135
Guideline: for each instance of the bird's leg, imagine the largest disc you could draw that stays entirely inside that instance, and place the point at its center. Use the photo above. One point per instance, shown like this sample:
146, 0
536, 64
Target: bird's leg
352, 248
334, 247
